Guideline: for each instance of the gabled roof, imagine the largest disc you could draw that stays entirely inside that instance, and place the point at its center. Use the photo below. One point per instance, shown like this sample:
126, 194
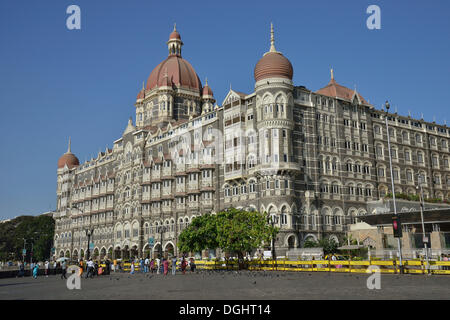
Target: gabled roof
232, 92
335, 90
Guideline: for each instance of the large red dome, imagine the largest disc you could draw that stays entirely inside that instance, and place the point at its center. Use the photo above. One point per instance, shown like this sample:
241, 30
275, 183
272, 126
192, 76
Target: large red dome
273, 65
179, 72
70, 159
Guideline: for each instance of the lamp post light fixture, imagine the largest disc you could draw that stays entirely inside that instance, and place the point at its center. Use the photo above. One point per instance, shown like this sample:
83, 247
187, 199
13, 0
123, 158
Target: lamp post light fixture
420, 179
161, 229
387, 105
89, 233
31, 253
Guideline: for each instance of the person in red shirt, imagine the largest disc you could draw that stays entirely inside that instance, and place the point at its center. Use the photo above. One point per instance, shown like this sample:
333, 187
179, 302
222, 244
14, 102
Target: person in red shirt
183, 265
166, 266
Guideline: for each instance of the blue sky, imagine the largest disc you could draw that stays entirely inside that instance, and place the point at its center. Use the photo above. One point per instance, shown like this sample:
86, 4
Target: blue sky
56, 83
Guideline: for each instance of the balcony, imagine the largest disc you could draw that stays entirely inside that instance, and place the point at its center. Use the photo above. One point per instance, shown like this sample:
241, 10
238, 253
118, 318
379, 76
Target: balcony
234, 174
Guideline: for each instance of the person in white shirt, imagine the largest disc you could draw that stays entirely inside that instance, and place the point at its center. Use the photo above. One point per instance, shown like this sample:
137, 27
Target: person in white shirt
46, 268
146, 263
158, 264
90, 268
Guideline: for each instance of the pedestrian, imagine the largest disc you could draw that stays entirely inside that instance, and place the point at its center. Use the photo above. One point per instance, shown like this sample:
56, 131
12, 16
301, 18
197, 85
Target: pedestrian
21, 270
174, 265
35, 270
90, 269
158, 262
192, 264
107, 267
183, 265
63, 269
146, 263
132, 267
46, 265
95, 273
152, 265
166, 266
55, 265
81, 265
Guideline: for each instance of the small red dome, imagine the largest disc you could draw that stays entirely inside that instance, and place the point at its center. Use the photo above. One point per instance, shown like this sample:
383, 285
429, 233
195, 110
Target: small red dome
175, 35
68, 158
273, 65
207, 91
179, 72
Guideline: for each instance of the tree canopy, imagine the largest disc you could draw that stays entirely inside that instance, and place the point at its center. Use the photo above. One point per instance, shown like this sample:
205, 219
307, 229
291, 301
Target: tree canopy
37, 230
329, 245
233, 230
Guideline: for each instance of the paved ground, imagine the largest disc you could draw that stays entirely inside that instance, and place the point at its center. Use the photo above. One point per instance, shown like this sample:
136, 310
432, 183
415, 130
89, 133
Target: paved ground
217, 285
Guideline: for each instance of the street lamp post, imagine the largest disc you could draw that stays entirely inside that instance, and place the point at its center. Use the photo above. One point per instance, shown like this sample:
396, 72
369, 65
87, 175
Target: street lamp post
24, 249
392, 183
422, 205
88, 232
31, 253
161, 230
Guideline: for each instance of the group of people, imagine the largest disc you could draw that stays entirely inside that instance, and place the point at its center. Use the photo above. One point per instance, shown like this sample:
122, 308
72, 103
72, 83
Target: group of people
34, 268
94, 268
90, 267
161, 265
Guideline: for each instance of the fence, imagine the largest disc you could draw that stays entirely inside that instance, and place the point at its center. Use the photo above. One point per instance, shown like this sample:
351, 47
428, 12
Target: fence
349, 266
389, 266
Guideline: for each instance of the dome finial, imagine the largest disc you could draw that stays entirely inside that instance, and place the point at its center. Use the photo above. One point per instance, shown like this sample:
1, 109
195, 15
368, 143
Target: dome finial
332, 74
206, 81
272, 39
175, 26
68, 149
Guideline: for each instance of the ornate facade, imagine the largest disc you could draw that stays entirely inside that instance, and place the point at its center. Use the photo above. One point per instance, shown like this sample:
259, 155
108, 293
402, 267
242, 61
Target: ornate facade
312, 159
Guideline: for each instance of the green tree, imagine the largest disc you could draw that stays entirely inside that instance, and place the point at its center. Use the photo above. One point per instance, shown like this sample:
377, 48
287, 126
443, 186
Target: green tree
233, 230
310, 244
349, 240
37, 230
241, 231
200, 235
329, 245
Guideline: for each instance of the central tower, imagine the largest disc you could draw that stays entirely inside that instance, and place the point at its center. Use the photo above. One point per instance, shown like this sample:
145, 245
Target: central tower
173, 91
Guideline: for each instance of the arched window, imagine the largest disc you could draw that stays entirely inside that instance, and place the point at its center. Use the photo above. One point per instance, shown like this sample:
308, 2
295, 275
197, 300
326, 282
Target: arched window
405, 136
252, 186
283, 217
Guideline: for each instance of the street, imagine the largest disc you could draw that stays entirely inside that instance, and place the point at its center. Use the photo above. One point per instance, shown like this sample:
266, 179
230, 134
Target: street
218, 285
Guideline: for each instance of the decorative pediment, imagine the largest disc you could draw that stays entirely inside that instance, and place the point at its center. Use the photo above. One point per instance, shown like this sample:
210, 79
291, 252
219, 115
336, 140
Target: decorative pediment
233, 96
130, 127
